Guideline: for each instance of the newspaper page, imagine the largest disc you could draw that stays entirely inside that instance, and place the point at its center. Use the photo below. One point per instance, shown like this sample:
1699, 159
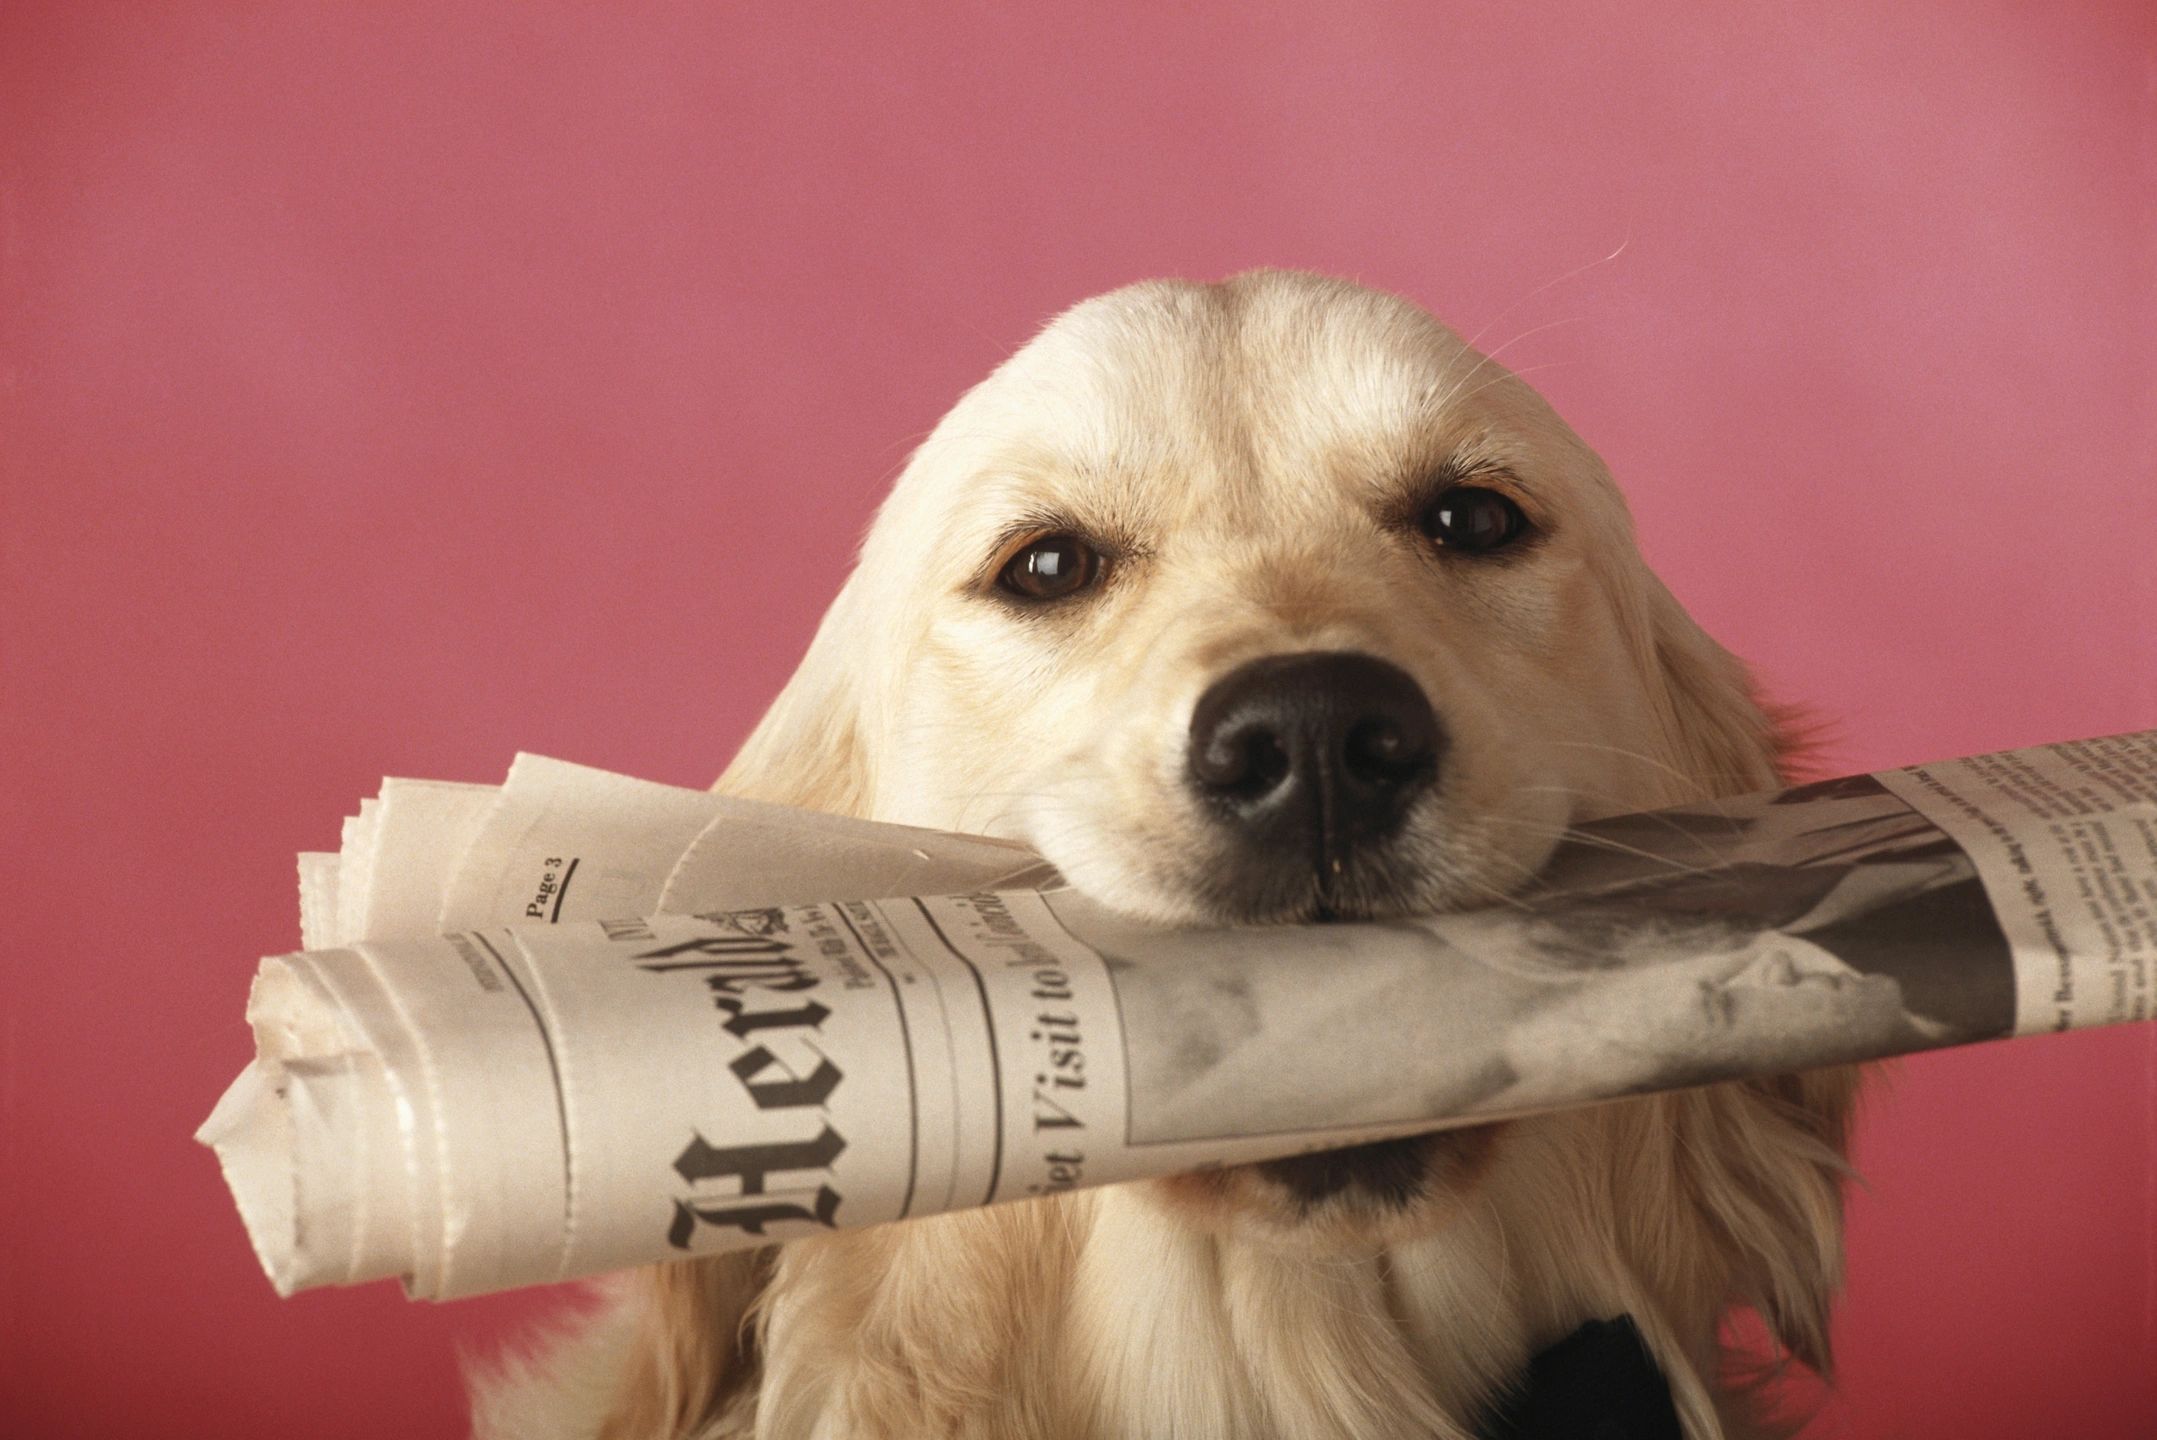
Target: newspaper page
528, 1101
565, 842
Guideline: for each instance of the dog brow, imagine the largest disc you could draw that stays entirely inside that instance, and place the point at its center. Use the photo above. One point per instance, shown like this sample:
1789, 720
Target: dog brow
1436, 462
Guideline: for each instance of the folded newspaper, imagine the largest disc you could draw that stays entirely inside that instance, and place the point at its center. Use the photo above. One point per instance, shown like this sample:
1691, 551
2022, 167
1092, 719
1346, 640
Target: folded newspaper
580, 1022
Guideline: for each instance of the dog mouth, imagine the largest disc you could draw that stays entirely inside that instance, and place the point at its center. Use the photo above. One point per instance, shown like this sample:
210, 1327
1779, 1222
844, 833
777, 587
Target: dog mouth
1333, 904
1389, 1174
1382, 1179
1370, 887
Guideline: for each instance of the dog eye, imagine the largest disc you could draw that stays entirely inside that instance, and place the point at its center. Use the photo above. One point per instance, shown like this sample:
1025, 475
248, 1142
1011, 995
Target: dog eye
1051, 568
1471, 518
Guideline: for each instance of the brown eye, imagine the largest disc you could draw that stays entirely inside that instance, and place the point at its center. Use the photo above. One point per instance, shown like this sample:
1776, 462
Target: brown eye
1051, 568
1471, 518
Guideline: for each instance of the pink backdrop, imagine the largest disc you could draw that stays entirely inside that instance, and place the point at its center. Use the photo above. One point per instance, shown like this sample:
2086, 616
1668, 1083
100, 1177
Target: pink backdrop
388, 390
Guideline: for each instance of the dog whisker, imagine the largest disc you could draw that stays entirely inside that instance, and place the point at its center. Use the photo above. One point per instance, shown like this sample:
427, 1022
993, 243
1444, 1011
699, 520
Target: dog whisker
1696, 779
1714, 857
1488, 325
1669, 824
1446, 400
1604, 842
1525, 370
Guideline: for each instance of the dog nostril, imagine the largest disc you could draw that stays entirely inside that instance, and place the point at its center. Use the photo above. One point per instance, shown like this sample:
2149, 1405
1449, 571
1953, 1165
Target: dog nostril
1245, 763
1388, 750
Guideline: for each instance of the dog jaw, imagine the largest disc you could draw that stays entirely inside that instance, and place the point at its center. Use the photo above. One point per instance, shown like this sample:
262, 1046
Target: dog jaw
1349, 1202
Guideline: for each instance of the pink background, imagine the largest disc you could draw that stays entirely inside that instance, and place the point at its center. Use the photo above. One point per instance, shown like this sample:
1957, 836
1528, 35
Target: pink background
388, 390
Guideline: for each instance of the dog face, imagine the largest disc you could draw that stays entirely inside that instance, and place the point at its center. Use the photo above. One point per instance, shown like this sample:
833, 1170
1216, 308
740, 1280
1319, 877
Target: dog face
1262, 601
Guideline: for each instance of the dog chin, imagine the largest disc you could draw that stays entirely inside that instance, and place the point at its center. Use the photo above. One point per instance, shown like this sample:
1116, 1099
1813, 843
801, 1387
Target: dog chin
1340, 1201
1201, 894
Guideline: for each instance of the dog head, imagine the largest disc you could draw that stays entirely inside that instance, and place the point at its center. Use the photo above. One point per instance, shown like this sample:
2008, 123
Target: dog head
1269, 600
1274, 600
1261, 601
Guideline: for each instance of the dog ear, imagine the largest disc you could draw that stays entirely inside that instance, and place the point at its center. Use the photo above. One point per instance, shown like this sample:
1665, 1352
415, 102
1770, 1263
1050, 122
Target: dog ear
1763, 1160
808, 748
1716, 727
693, 1351
674, 1349
1796, 1274
1766, 1168
1746, 1180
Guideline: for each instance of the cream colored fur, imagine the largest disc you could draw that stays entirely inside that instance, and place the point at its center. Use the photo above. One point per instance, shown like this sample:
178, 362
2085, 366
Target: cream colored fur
1248, 451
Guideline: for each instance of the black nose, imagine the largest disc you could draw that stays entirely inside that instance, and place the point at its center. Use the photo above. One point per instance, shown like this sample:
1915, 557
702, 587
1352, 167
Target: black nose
1323, 751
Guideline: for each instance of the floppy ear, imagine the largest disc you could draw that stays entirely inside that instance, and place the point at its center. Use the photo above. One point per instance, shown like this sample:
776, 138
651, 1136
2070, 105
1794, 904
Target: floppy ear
1738, 1203
1762, 1161
693, 1354
808, 749
1798, 1134
690, 1352
1722, 735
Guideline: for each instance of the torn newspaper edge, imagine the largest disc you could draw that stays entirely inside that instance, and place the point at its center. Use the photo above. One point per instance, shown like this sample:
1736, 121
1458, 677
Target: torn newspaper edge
671, 1023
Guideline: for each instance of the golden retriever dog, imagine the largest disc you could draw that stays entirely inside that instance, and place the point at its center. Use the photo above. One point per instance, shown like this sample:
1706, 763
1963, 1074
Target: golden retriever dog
1254, 602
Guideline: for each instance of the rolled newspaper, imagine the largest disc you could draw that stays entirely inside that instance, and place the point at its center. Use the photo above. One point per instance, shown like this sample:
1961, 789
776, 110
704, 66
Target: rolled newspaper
666, 1023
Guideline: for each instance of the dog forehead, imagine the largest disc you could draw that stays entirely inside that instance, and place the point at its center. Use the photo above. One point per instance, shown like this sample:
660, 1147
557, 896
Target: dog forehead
1264, 384
1257, 360
1273, 403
